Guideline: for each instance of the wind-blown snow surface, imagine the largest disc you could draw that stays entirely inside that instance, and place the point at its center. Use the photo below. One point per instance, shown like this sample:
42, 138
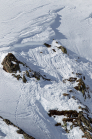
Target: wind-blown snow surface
24, 27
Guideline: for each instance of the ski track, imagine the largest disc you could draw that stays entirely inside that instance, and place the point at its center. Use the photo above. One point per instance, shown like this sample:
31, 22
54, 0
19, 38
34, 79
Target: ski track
22, 88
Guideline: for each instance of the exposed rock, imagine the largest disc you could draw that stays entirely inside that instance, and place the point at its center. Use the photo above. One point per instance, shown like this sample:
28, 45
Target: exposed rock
77, 120
65, 94
74, 97
78, 74
27, 74
54, 50
17, 76
66, 112
81, 86
26, 136
37, 75
19, 131
70, 90
47, 45
10, 63
58, 124
24, 79
72, 79
63, 49
8, 122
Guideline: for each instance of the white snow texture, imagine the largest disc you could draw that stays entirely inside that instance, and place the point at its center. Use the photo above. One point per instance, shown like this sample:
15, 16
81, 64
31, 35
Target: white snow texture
24, 27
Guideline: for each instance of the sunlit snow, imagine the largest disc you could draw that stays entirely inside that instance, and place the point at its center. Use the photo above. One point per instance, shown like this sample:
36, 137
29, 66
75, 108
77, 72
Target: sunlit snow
24, 28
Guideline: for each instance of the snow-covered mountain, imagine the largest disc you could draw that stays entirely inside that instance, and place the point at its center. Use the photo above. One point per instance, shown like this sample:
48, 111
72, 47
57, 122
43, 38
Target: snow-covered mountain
25, 26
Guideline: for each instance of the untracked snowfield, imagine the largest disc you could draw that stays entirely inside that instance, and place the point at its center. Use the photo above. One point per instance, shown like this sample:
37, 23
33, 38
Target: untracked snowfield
24, 28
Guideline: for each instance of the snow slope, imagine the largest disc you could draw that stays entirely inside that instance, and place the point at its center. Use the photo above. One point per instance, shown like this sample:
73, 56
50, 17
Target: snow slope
8, 132
24, 28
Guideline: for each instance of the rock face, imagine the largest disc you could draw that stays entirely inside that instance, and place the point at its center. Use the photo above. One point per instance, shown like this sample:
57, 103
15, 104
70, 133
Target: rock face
47, 45
10, 63
63, 49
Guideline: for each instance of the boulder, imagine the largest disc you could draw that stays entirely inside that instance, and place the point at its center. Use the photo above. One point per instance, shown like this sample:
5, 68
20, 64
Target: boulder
47, 45
63, 49
10, 63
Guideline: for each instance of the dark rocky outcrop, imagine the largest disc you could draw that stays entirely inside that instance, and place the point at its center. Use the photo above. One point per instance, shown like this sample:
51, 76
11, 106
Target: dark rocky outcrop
24, 79
19, 131
63, 49
54, 50
78, 119
10, 63
81, 86
47, 45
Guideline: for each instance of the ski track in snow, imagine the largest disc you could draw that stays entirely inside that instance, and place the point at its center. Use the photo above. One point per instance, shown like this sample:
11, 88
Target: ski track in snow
22, 88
